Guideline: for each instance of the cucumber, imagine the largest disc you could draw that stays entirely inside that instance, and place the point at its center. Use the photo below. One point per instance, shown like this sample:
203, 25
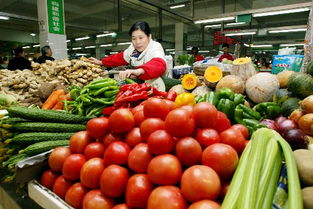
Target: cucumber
33, 137
13, 160
170, 82
41, 147
46, 115
47, 127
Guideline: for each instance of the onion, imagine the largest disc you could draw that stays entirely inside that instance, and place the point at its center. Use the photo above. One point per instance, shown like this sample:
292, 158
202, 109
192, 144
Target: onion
296, 139
286, 125
280, 119
270, 124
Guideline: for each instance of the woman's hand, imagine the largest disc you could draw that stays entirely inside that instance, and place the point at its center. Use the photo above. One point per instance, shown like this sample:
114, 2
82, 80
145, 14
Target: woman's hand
94, 61
130, 73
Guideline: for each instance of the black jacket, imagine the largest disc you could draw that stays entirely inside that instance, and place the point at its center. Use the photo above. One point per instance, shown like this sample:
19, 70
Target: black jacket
42, 59
19, 63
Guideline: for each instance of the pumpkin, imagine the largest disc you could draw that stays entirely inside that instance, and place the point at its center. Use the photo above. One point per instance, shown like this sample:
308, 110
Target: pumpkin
179, 89
283, 78
310, 68
300, 84
213, 74
243, 68
233, 82
305, 123
241, 61
200, 91
189, 81
261, 87
289, 106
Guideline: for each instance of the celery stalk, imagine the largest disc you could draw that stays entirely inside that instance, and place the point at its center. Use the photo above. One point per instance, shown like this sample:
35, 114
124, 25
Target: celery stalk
294, 189
232, 194
272, 152
249, 189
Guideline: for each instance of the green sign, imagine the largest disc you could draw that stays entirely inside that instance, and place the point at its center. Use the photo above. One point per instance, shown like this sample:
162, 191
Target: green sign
55, 16
244, 18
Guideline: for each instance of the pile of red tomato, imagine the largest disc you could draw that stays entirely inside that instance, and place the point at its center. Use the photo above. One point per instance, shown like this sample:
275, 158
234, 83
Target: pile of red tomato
153, 156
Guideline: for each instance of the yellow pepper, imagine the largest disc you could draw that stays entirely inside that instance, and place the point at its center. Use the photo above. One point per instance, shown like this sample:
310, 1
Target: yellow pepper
185, 99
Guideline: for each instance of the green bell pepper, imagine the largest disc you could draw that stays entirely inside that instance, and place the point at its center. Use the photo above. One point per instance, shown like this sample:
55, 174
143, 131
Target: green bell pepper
226, 93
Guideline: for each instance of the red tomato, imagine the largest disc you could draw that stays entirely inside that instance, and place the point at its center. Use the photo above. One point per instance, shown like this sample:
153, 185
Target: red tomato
224, 189
79, 141
170, 104
189, 108
98, 127
75, 195
121, 206
243, 129
150, 125
204, 204
61, 185
133, 137
139, 158
138, 190
139, 117
222, 158
205, 115
160, 142
94, 149
164, 169
166, 197
95, 200
208, 136
113, 181
121, 121
188, 151
137, 109
72, 166
234, 138
109, 138
116, 153
57, 158
91, 172
222, 122
200, 182
155, 108
180, 123
48, 179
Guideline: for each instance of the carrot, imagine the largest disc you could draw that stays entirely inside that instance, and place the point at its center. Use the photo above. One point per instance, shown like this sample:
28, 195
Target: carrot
60, 104
52, 99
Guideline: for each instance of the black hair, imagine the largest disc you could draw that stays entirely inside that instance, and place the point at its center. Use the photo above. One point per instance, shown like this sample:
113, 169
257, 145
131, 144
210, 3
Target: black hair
44, 50
225, 45
195, 49
1, 60
143, 26
18, 50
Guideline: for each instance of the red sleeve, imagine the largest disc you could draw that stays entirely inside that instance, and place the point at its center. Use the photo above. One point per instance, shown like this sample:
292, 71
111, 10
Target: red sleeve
153, 69
221, 58
114, 60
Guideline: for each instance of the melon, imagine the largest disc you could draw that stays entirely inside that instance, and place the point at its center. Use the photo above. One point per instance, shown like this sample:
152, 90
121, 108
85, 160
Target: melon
310, 68
201, 90
179, 89
233, 82
300, 84
283, 78
261, 87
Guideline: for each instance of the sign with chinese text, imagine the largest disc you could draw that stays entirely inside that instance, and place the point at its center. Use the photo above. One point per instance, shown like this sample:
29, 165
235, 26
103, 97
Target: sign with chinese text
55, 16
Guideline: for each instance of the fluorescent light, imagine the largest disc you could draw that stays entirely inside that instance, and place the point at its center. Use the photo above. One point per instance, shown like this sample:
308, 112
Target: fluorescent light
204, 51
37, 45
106, 45
77, 48
261, 46
246, 45
213, 26
236, 23
81, 54
82, 38
288, 11
90, 47
68, 41
287, 30
214, 20
124, 43
189, 48
4, 18
169, 50
26, 47
172, 53
106, 34
240, 34
177, 6
33, 34
67, 49
113, 52
286, 45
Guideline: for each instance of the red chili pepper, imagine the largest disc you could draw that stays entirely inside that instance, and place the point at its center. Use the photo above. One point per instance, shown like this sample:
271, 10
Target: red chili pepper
108, 110
171, 95
156, 92
135, 97
128, 86
142, 87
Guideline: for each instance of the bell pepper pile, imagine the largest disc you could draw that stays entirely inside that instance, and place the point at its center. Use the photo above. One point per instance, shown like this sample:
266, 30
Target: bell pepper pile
269, 110
130, 95
92, 98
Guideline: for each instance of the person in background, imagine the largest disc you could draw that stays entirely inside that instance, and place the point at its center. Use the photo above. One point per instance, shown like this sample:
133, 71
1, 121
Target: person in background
1, 62
46, 54
5, 62
144, 54
36, 56
225, 54
195, 52
19, 62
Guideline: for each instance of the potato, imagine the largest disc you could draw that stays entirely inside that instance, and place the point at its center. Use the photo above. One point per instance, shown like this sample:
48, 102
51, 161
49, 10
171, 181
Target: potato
307, 194
304, 160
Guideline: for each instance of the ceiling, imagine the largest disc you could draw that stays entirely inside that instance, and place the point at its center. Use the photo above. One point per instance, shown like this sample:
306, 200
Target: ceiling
95, 16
